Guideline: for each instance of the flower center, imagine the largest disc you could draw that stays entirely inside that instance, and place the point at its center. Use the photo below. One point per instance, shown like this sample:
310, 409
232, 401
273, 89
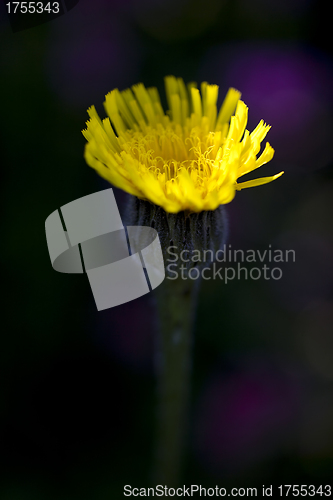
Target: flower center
168, 149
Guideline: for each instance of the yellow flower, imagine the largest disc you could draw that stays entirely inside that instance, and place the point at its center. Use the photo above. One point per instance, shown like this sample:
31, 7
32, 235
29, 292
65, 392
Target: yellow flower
186, 159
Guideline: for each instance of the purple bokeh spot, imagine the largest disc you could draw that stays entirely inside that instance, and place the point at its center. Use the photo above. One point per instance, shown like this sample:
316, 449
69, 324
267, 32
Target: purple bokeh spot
246, 417
90, 57
287, 87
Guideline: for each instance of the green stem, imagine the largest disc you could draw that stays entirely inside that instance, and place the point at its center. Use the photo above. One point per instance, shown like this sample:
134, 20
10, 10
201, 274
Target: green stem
175, 306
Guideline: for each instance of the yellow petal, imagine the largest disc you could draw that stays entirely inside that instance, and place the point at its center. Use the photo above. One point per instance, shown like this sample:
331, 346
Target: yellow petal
257, 182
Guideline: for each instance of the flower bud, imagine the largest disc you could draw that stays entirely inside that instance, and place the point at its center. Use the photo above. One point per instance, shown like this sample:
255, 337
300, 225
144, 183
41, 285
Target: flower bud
187, 239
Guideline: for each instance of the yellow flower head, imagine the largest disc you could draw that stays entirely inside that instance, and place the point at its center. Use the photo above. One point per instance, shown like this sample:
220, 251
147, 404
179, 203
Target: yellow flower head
186, 159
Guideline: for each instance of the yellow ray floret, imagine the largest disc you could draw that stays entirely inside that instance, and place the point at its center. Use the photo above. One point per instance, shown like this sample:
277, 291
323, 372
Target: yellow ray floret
186, 159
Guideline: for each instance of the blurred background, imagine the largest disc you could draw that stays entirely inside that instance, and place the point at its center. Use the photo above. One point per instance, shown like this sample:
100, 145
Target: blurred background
77, 385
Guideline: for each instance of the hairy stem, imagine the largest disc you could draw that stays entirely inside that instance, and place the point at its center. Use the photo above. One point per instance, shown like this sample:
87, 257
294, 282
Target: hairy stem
175, 305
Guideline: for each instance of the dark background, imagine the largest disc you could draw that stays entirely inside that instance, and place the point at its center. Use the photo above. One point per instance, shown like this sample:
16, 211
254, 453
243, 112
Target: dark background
77, 385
